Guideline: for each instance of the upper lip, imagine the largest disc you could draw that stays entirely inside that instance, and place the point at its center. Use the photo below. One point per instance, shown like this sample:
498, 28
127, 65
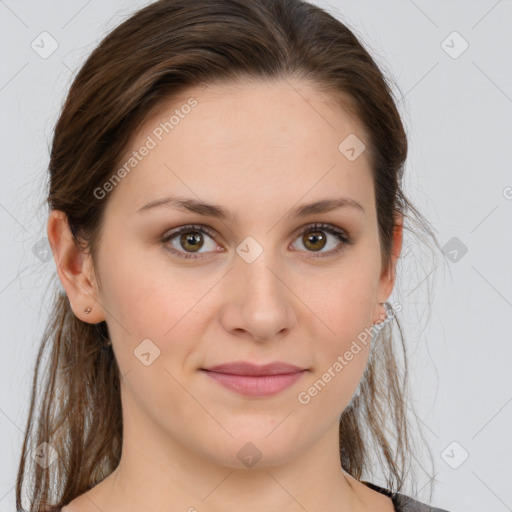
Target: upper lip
244, 368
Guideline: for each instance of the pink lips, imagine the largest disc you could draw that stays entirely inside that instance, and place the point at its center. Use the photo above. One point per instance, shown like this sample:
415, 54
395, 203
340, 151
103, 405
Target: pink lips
255, 380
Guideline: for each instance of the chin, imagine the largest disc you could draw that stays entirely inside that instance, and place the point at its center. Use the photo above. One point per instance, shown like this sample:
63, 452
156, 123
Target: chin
253, 448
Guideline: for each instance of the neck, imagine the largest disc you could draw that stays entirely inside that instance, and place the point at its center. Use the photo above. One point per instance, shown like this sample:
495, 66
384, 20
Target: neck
158, 473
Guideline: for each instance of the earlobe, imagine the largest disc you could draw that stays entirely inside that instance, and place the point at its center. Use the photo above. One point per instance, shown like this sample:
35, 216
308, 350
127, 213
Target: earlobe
75, 270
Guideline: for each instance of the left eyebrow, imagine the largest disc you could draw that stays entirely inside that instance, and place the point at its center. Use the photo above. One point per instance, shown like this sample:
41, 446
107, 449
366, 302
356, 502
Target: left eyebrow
213, 210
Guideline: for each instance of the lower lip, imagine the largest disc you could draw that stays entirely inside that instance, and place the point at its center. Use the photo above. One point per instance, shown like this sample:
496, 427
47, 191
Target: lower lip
257, 386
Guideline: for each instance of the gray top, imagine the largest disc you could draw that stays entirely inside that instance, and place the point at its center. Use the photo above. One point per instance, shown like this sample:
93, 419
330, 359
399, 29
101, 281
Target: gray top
403, 503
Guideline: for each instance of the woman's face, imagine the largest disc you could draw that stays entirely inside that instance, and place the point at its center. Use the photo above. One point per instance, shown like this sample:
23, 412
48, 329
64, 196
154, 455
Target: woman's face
258, 284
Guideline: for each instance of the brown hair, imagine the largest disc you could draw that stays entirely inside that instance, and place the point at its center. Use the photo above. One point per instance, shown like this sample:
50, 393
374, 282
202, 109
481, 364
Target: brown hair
157, 53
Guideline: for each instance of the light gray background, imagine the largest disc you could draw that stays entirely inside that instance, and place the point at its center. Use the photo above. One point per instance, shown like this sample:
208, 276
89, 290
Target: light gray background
458, 114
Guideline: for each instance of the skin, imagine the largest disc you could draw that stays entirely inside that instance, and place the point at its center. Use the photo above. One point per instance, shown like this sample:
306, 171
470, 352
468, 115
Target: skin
258, 149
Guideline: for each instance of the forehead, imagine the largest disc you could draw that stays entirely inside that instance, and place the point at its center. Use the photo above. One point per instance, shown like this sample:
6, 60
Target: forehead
257, 141
272, 112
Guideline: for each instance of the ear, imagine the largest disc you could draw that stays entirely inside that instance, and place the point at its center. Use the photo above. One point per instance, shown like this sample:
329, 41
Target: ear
75, 270
388, 276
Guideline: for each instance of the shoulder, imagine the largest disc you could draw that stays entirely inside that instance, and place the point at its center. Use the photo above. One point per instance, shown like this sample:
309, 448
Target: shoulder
403, 503
406, 504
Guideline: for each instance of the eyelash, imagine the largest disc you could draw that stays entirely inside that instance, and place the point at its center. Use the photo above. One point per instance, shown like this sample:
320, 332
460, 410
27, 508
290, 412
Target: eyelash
333, 230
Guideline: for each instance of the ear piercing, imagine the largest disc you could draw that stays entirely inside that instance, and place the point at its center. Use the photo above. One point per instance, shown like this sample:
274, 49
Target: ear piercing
387, 319
106, 343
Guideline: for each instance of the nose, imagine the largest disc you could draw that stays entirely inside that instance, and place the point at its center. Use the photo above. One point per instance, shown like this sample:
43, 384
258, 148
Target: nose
259, 302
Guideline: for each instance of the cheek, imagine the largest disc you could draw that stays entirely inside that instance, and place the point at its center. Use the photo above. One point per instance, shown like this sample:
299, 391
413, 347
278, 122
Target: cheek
345, 308
142, 294
150, 308
147, 299
340, 363
344, 296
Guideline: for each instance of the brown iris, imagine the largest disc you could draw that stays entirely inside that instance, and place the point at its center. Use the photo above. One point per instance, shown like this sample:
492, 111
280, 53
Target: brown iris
191, 239
313, 237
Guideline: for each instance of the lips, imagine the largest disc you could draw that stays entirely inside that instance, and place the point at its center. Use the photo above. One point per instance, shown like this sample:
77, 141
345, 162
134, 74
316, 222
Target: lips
255, 380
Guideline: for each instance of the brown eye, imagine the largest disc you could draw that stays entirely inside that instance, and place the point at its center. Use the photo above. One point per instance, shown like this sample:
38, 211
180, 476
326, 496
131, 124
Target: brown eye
187, 240
315, 237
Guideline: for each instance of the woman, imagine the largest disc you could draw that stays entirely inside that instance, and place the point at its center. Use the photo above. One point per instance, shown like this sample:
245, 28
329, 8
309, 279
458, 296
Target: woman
226, 217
